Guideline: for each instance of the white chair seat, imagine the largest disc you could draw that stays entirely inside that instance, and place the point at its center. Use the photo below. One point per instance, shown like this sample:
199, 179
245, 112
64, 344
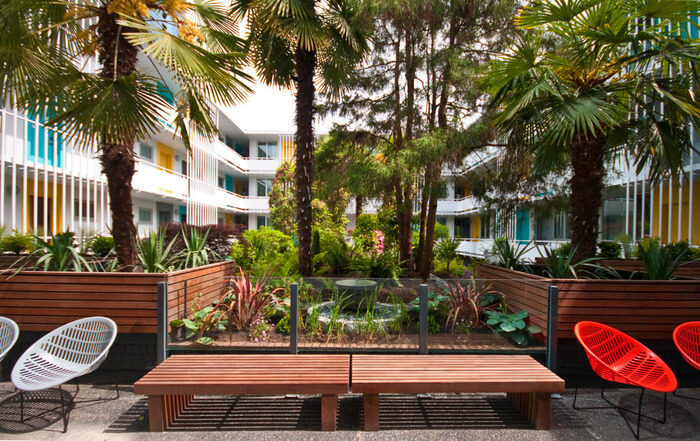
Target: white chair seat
9, 331
73, 350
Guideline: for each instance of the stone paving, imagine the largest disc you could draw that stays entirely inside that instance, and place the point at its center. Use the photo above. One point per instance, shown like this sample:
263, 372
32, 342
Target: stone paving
97, 416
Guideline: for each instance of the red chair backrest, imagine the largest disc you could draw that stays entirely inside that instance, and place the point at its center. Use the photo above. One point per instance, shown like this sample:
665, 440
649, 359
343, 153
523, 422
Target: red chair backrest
615, 356
687, 339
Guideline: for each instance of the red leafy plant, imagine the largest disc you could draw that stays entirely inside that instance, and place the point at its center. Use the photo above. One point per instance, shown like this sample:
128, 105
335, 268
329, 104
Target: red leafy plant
466, 302
248, 302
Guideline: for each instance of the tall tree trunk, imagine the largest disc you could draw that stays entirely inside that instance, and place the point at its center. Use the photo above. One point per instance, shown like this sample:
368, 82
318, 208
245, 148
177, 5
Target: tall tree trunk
358, 206
305, 67
427, 260
118, 58
587, 162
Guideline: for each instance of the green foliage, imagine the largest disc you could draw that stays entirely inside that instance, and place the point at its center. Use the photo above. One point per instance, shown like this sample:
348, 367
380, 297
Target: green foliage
680, 250
283, 325
659, 261
446, 249
559, 263
377, 265
17, 243
364, 232
512, 326
336, 252
196, 252
101, 246
202, 321
247, 302
261, 248
510, 254
260, 330
60, 253
282, 200
153, 253
435, 302
609, 250
455, 268
626, 243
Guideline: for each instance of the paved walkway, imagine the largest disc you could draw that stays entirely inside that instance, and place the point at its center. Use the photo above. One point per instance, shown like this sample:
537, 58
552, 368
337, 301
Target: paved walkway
437, 417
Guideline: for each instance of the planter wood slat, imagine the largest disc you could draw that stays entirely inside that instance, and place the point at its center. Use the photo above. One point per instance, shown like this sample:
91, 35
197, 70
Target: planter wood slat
645, 309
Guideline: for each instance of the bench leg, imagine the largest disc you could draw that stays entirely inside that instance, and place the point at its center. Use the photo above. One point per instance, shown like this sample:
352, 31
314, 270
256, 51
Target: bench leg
329, 411
536, 406
163, 409
371, 402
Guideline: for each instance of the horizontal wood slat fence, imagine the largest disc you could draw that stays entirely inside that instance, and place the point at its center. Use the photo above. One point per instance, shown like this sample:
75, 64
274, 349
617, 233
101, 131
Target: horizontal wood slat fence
42, 301
645, 309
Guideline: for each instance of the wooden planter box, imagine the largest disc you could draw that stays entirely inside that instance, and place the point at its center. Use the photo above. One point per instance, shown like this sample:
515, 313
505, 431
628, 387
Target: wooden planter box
42, 301
645, 309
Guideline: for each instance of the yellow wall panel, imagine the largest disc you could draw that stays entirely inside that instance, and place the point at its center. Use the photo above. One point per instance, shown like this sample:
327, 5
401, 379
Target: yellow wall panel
684, 198
476, 227
166, 156
51, 207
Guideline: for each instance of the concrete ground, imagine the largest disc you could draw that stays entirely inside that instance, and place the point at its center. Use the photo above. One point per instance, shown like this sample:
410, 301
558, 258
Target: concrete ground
96, 416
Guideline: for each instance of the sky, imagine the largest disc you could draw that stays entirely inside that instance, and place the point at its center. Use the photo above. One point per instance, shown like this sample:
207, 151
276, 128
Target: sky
270, 110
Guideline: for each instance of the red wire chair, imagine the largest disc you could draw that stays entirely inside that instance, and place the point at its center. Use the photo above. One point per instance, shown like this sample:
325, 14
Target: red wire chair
617, 357
687, 339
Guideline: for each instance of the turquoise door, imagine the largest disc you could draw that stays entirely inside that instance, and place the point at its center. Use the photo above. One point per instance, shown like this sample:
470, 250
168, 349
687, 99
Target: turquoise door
522, 225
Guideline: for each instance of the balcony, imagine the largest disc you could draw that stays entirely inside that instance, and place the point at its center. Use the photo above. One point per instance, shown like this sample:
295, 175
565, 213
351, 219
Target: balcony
246, 204
243, 164
157, 180
449, 207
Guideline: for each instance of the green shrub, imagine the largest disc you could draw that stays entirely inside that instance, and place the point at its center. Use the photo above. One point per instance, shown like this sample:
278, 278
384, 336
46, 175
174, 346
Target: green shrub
261, 248
283, 325
336, 252
381, 265
101, 246
659, 261
17, 243
364, 232
679, 250
562, 250
315, 242
609, 250
455, 268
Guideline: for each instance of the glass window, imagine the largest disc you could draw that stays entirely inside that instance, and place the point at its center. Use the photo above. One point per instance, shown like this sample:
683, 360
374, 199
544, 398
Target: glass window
221, 182
146, 151
267, 150
80, 210
145, 216
262, 221
484, 227
264, 187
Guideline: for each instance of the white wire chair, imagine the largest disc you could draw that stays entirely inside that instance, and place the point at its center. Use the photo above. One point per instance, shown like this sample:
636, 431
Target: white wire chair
70, 351
9, 331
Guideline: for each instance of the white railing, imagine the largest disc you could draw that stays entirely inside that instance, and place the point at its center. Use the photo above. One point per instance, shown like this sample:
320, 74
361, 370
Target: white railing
246, 204
482, 248
243, 164
150, 178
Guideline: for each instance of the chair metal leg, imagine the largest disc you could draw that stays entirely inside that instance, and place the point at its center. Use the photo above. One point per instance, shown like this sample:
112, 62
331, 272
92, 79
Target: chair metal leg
63, 410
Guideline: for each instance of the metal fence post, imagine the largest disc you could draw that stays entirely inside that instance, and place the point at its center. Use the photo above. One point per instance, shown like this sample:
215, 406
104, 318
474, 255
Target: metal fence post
552, 327
162, 338
423, 319
294, 319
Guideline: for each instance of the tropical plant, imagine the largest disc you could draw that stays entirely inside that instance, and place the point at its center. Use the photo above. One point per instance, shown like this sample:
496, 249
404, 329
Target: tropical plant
446, 250
510, 254
336, 250
592, 80
466, 302
455, 267
191, 45
60, 253
660, 261
196, 252
154, 255
512, 326
247, 302
202, 321
559, 263
292, 42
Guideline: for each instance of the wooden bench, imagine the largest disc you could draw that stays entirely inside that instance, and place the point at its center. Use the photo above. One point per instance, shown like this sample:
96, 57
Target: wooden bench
172, 385
526, 382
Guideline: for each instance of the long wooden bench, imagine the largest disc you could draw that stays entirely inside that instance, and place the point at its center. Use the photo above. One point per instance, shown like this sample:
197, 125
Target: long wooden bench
526, 382
172, 385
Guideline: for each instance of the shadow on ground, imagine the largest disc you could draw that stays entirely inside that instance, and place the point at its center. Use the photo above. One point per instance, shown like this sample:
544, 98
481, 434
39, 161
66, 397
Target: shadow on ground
397, 412
41, 409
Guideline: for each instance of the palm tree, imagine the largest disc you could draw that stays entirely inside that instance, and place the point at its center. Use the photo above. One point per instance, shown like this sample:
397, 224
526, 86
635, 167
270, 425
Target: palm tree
190, 46
589, 80
297, 44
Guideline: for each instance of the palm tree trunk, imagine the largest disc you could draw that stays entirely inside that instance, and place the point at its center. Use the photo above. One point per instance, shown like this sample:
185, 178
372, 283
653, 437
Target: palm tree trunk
305, 67
118, 58
587, 162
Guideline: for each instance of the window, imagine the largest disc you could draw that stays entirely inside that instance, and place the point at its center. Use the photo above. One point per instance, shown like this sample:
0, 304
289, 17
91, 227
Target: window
146, 151
484, 227
264, 187
267, 150
145, 216
80, 210
221, 182
262, 221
